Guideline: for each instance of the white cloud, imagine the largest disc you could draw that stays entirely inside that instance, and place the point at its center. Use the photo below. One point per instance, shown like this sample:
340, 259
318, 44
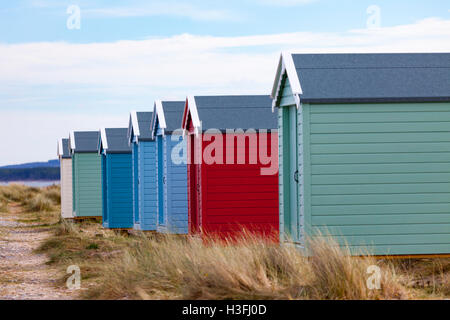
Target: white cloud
177, 9
285, 3
116, 77
193, 10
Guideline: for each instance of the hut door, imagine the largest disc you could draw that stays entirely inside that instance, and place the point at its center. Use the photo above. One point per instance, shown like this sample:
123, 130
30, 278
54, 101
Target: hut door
161, 181
291, 174
105, 188
136, 182
194, 179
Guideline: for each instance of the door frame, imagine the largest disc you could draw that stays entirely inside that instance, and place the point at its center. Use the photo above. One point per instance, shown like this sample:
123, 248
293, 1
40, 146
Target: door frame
291, 173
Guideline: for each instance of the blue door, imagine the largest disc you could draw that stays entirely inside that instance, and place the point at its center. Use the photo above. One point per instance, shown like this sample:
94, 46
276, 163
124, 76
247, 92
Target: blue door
136, 182
160, 181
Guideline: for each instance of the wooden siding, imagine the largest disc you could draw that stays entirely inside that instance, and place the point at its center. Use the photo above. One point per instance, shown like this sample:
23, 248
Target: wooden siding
146, 185
237, 196
119, 192
66, 188
378, 175
175, 218
87, 184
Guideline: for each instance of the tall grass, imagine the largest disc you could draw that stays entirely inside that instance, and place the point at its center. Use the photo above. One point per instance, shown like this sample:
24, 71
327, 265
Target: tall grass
251, 269
32, 199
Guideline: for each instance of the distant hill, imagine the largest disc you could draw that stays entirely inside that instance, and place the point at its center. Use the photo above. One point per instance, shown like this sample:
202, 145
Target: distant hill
34, 171
48, 164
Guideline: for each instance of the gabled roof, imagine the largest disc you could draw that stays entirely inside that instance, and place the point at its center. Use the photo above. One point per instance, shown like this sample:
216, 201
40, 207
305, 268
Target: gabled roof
84, 141
139, 126
114, 140
347, 78
168, 115
63, 149
230, 112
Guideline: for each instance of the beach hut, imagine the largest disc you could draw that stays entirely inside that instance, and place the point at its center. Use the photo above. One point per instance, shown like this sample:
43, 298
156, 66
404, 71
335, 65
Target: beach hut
65, 162
117, 180
171, 170
143, 171
86, 173
365, 150
232, 165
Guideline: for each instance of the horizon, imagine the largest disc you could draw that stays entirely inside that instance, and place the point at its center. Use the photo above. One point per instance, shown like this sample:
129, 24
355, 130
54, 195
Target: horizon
84, 65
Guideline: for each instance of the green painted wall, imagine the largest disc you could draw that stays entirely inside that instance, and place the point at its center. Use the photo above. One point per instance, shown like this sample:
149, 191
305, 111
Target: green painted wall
378, 175
87, 184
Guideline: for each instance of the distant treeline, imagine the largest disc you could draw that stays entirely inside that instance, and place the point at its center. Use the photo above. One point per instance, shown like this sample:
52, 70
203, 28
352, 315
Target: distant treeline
29, 174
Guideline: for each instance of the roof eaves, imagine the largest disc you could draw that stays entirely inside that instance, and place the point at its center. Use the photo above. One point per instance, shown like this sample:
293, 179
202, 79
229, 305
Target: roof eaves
192, 109
72, 140
286, 64
134, 121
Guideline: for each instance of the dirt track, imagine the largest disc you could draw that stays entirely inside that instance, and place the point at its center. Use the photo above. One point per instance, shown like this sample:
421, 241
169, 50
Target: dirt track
25, 275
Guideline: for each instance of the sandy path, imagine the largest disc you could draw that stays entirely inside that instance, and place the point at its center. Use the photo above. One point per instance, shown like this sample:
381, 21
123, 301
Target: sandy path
24, 274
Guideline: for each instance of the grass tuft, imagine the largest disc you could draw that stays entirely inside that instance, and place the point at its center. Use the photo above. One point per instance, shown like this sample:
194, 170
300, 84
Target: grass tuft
251, 269
39, 203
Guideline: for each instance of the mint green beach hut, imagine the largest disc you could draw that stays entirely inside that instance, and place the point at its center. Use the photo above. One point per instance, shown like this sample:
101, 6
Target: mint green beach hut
364, 150
87, 174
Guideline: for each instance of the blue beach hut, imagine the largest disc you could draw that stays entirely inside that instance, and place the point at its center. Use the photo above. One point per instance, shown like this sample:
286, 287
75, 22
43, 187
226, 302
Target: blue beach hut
171, 167
143, 153
116, 178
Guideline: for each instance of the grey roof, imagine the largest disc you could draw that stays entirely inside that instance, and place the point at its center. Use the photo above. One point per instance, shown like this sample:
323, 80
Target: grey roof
117, 140
173, 114
328, 78
144, 121
65, 149
236, 112
86, 141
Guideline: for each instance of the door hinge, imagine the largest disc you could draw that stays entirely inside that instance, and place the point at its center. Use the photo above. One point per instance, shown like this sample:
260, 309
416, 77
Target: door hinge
296, 176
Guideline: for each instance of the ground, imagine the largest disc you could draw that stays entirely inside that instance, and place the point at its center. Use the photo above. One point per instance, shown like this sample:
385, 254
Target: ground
37, 246
24, 274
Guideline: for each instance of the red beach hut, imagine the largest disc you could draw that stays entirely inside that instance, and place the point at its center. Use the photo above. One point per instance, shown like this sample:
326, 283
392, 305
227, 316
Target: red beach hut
232, 154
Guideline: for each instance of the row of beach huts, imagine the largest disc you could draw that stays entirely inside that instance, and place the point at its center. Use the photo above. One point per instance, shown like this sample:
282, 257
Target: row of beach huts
356, 146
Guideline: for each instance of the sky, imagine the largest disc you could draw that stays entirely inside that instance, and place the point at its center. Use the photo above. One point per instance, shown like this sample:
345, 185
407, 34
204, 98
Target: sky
85, 64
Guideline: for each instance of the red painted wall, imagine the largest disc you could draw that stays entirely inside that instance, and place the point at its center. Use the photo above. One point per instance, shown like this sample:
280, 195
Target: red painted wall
225, 199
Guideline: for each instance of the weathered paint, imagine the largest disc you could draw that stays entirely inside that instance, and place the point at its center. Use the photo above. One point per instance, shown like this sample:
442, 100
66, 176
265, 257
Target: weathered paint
87, 184
66, 188
144, 191
118, 191
172, 184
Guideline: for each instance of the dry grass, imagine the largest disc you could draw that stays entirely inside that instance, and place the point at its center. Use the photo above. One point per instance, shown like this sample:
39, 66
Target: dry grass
36, 200
114, 266
253, 269
429, 277
84, 244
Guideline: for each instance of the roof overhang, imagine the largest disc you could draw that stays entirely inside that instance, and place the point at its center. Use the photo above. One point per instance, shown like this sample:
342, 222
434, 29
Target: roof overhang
72, 141
135, 123
191, 109
103, 141
158, 117
286, 65
60, 150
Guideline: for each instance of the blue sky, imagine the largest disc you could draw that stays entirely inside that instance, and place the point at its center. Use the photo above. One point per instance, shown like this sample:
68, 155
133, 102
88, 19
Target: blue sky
129, 53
